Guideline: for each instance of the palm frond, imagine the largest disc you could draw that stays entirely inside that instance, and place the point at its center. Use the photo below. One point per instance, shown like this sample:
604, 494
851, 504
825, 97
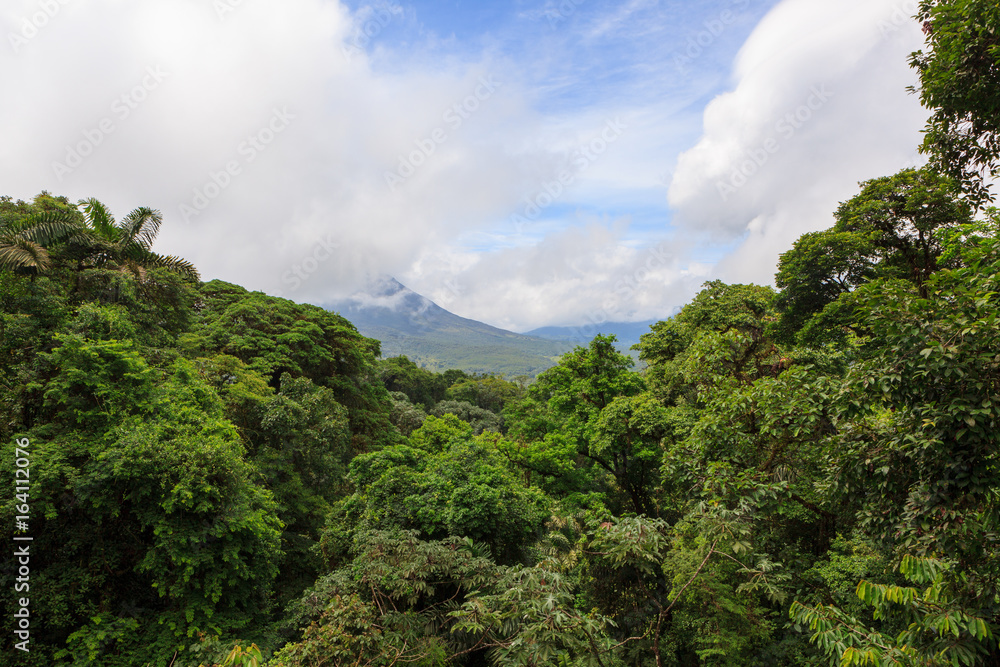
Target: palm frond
45, 228
174, 264
142, 225
10, 225
17, 253
96, 249
99, 218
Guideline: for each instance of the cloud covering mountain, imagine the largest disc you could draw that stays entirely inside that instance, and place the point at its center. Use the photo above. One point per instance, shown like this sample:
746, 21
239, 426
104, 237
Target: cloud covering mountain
510, 162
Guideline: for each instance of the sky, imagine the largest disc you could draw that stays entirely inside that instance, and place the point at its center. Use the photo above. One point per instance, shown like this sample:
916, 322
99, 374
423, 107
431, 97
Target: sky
524, 163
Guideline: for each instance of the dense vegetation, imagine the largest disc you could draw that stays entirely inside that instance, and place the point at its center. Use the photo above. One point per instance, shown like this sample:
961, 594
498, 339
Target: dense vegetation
802, 476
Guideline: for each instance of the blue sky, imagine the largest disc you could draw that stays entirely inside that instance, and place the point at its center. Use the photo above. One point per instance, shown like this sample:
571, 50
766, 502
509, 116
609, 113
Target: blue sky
521, 163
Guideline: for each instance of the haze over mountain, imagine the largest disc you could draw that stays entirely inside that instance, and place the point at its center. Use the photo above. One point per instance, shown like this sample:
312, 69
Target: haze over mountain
412, 325
627, 333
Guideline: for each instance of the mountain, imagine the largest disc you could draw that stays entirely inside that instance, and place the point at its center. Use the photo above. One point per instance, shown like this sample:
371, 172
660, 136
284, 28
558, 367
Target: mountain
627, 333
410, 324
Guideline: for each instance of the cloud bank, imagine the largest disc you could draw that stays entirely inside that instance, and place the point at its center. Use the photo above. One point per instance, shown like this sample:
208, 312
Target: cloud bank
819, 104
294, 150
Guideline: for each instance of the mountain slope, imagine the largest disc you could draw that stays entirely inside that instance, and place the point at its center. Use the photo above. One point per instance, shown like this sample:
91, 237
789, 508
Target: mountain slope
412, 325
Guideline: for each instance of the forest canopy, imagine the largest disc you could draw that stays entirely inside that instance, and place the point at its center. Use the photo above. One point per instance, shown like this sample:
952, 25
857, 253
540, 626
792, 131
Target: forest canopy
800, 475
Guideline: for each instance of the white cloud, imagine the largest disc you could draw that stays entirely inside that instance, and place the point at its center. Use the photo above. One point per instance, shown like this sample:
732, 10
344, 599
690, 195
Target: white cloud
581, 275
273, 117
819, 104
265, 145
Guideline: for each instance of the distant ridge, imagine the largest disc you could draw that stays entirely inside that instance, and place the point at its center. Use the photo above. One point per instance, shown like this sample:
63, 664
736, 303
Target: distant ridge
410, 324
627, 333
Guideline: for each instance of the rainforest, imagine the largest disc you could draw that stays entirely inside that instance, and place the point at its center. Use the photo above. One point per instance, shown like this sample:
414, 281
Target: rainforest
800, 474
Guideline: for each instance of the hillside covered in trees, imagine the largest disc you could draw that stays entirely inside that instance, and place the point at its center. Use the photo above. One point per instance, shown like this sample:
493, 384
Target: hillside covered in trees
807, 475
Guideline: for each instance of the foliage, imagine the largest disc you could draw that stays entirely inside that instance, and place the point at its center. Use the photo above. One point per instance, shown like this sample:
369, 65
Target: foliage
940, 631
886, 231
273, 336
478, 418
404, 599
447, 482
959, 80
556, 424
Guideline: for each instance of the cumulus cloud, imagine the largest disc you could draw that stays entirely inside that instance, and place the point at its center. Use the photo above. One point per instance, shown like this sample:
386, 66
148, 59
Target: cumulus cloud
286, 157
819, 104
585, 274
279, 158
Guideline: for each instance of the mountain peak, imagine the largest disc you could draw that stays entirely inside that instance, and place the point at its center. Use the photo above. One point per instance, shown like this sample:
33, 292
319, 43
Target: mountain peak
408, 323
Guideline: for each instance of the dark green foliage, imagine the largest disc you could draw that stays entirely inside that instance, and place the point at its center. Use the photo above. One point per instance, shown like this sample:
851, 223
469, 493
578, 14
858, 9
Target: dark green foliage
404, 599
479, 419
959, 83
404, 415
446, 482
887, 231
273, 336
554, 428
152, 521
421, 386
488, 392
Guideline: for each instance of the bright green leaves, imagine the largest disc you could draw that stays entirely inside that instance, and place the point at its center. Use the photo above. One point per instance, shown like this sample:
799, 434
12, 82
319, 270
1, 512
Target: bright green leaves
818, 268
889, 231
577, 431
162, 516
448, 483
403, 599
935, 365
274, 336
96, 382
438, 434
723, 335
940, 630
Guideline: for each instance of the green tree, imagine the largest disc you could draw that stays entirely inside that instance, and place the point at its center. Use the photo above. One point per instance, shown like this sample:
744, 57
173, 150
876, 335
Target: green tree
479, 419
922, 454
491, 392
124, 245
26, 230
446, 482
274, 336
441, 602
420, 385
959, 83
886, 231
149, 524
555, 428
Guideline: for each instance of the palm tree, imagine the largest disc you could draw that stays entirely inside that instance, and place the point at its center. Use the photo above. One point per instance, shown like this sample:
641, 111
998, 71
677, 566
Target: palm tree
96, 242
23, 242
125, 245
